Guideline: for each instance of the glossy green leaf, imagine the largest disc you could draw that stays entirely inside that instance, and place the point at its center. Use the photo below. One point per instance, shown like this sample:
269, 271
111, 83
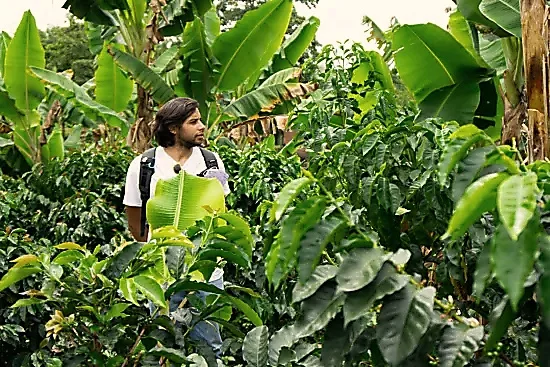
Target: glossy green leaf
120, 261
285, 337
479, 198
359, 303
517, 201
336, 343
236, 231
543, 286
461, 31
513, 261
287, 196
188, 285
8, 108
164, 59
282, 256
484, 269
198, 70
255, 347
116, 310
458, 345
55, 144
5, 40
128, 289
428, 58
14, 275
113, 88
314, 243
359, 268
318, 310
248, 47
78, 95
170, 354
491, 51
505, 13
211, 26
68, 257
246, 310
320, 276
295, 45
24, 51
25, 302
180, 201
501, 318
470, 10
403, 320
455, 102
143, 75
151, 290
468, 168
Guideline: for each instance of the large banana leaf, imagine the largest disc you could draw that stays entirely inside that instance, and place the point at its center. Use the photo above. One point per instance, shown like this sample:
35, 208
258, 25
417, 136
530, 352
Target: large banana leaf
178, 12
198, 64
113, 88
456, 102
26, 141
182, 200
211, 26
461, 31
505, 13
4, 43
493, 54
251, 44
164, 59
137, 10
295, 46
143, 75
470, 10
428, 58
95, 11
77, 95
8, 107
24, 51
273, 91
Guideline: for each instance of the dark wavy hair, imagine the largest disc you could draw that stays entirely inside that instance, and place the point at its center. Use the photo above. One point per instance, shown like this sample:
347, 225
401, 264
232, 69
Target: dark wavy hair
174, 112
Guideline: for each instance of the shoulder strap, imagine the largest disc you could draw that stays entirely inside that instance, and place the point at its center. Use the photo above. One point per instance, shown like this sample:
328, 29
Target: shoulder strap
209, 159
146, 170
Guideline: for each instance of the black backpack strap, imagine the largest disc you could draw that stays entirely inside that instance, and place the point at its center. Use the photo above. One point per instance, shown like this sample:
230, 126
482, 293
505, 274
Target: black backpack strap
209, 159
146, 170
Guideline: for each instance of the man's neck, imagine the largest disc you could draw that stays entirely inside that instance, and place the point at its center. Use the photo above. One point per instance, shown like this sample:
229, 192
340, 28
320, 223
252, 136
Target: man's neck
179, 153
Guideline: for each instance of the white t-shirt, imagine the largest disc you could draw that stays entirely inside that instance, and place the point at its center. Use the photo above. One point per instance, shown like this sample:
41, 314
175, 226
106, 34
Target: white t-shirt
164, 169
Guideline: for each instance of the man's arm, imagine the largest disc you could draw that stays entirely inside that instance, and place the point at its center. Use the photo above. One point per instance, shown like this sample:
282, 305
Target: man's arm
133, 214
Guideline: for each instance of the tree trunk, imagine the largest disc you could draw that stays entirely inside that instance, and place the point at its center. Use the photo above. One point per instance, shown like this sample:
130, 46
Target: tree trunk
140, 135
534, 23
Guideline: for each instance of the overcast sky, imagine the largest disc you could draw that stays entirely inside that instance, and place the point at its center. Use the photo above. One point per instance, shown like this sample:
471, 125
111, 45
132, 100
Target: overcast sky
340, 19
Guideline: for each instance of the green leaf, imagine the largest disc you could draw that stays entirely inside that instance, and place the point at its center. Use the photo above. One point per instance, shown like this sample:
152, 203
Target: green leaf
283, 253
458, 345
246, 310
120, 261
271, 93
314, 243
479, 198
403, 320
117, 310
470, 10
483, 270
211, 26
457, 148
500, 319
188, 285
170, 354
287, 196
16, 274
248, 47
181, 201
505, 13
359, 303
5, 40
428, 58
295, 45
318, 310
320, 276
113, 89
543, 291
143, 75
468, 169
513, 261
492, 52
237, 231
129, 291
359, 268
517, 201
198, 70
24, 51
255, 347
164, 59
461, 31
455, 102
67, 257
25, 302
78, 95
55, 145
285, 337
8, 108
5, 142
151, 290
336, 343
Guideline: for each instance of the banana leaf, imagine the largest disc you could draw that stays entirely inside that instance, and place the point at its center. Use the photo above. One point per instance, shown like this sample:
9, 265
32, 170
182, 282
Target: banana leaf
113, 88
295, 46
250, 45
184, 199
4, 43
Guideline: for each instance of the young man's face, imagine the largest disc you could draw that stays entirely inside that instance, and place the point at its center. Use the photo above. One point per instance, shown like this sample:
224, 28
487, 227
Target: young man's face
191, 132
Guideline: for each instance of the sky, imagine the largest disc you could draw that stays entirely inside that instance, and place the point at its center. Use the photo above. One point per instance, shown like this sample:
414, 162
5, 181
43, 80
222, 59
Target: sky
340, 19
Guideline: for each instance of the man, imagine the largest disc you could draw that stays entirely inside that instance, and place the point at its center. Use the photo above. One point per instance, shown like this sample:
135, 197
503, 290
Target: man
179, 132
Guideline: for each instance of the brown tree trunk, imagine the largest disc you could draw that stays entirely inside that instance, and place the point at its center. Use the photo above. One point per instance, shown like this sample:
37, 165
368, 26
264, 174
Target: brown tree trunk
534, 23
140, 135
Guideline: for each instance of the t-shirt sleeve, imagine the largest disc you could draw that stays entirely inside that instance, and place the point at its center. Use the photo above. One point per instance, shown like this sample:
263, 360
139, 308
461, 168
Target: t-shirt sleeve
131, 188
221, 167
